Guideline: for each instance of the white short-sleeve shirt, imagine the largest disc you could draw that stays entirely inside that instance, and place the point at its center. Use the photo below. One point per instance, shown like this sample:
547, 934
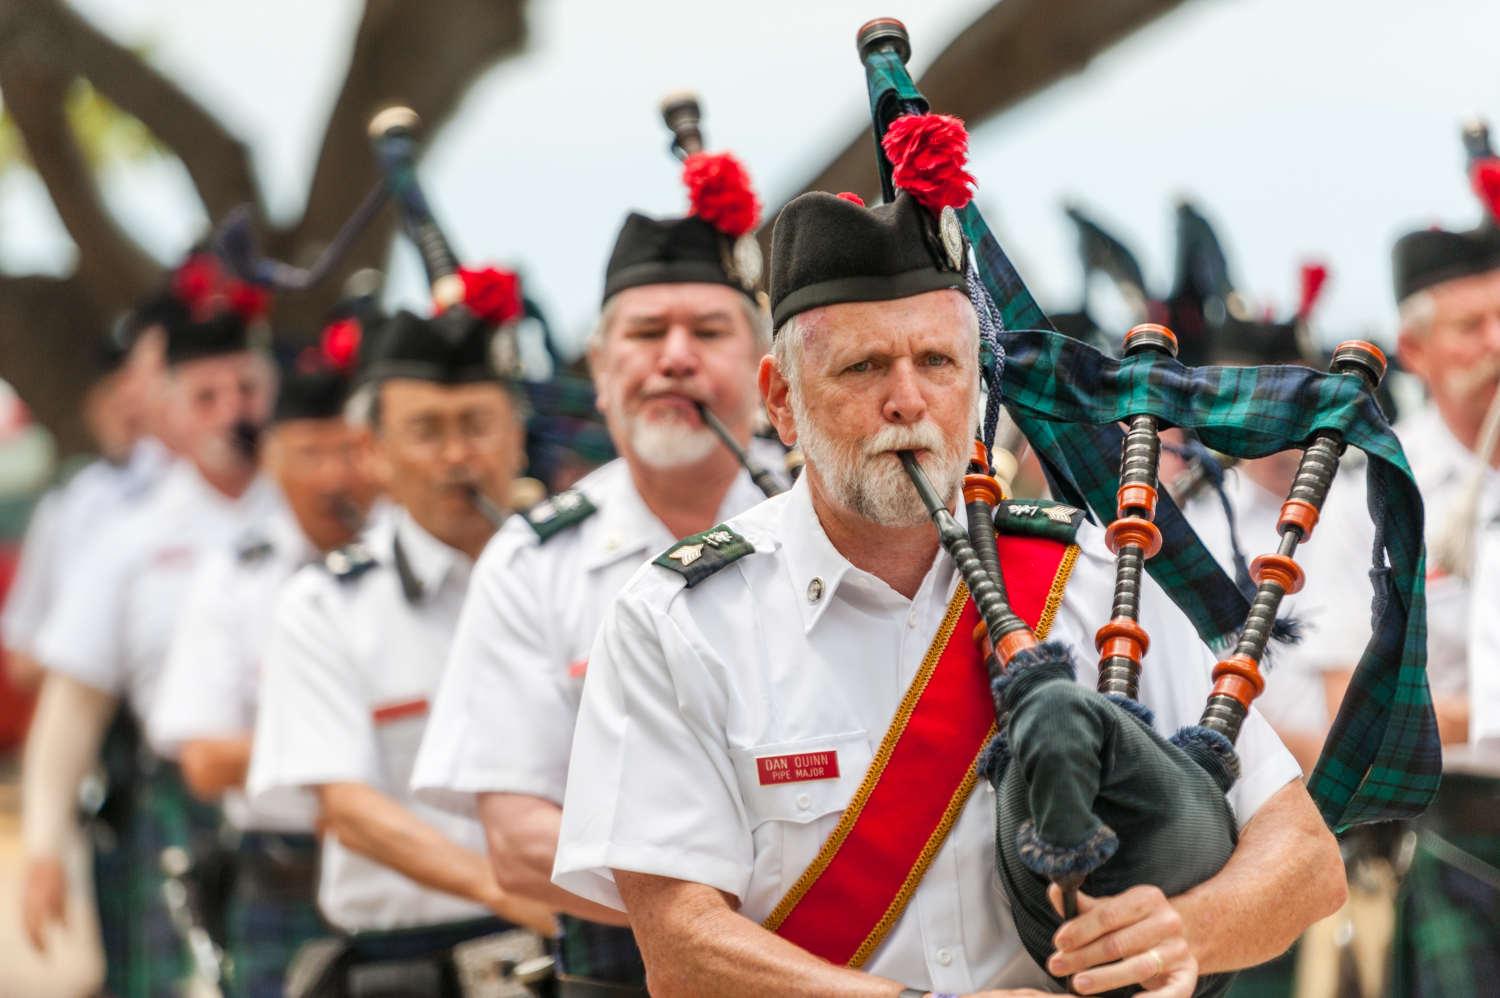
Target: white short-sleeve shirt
121, 598
687, 687
503, 719
1484, 647
1338, 557
212, 679
1294, 699
61, 527
348, 676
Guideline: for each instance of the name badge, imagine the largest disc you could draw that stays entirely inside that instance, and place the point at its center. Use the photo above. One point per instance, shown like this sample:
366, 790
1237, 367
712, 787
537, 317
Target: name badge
801, 767
392, 712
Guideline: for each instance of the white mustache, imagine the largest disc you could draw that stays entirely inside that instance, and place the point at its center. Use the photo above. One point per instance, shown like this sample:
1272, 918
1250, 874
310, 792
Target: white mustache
896, 437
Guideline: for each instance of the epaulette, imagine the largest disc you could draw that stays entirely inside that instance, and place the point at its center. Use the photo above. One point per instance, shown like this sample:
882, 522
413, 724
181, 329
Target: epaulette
253, 550
349, 562
697, 557
1038, 518
552, 516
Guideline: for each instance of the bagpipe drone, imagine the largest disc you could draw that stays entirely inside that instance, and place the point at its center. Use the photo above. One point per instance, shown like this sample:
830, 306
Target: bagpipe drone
1089, 795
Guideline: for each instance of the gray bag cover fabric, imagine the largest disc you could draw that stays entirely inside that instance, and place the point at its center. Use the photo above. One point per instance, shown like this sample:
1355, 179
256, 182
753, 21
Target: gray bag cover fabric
1085, 785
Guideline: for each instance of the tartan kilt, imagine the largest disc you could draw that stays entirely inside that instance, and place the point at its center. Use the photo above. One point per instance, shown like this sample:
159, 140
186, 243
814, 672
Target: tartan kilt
272, 910
145, 957
1448, 911
600, 952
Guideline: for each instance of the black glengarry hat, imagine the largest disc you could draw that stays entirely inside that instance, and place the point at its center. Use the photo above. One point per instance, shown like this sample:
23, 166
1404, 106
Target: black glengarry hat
827, 250
204, 311
669, 251
310, 394
713, 244
449, 349
1428, 257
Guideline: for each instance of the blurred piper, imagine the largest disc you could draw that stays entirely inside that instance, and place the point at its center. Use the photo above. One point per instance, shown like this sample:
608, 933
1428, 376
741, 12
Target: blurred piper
119, 418
357, 651
1447, 287
680, 325
105, 641
204, 714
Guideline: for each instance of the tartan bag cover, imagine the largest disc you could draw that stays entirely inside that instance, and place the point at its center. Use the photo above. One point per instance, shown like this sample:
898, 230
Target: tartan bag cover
1382, 759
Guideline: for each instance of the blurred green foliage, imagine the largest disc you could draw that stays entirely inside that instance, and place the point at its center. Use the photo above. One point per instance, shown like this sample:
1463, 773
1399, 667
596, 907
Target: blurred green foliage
105, 133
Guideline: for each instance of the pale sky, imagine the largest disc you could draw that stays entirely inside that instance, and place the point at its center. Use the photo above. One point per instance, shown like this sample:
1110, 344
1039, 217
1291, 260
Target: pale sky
1303, 128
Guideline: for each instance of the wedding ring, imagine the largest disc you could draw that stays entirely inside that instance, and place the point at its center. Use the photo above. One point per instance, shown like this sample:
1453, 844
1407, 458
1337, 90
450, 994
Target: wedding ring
1160, 964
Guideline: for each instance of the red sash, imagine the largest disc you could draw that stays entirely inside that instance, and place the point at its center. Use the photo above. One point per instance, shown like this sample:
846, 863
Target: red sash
920, 780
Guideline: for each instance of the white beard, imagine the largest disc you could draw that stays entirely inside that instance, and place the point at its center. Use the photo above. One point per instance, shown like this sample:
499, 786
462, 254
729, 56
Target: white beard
669, 443
866, 478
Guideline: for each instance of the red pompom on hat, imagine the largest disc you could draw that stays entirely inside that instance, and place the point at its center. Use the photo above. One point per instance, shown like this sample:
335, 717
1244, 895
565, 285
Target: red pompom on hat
340, 344
195, 282
1484, 177
928, 153
493, 294
720, 193
1314, 276
851, 196
248, 301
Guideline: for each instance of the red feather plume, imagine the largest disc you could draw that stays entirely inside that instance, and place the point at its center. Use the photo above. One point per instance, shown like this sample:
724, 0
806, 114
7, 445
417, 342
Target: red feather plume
1484, 177
720, 192
493, 294
195, 282
851, 196
928, 154
1314, 276
340, 344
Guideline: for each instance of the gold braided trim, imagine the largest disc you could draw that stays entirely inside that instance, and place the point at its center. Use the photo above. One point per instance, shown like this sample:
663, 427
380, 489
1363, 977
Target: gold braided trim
919, 869
965, 789
1055, 594
877, 767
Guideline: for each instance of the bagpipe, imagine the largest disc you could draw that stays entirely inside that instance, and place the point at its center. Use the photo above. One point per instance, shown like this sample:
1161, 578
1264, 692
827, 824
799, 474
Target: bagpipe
683, 116
1089, 795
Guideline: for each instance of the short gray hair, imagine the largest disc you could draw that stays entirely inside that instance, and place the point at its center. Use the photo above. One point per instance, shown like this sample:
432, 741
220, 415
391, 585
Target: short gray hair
755, 313
1417, 311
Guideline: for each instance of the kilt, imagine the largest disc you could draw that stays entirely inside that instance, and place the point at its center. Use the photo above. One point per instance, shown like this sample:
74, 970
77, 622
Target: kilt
599, 952
1448, 912
272, 910
145, 957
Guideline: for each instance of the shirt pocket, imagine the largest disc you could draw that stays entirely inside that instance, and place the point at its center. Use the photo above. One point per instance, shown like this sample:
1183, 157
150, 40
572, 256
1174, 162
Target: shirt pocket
801, 781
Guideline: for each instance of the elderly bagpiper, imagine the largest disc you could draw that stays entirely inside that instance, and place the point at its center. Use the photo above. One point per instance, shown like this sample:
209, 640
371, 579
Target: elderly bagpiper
204, 714
1447, 289
106, 640
360, 643
680, 329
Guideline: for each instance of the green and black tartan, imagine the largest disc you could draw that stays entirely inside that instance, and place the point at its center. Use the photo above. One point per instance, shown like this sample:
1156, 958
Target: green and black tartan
146, 958
272, 910
1382, 759
600, 952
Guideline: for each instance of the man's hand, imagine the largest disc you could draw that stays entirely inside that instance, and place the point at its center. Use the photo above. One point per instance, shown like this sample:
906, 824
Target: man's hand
1131, 938
44, 898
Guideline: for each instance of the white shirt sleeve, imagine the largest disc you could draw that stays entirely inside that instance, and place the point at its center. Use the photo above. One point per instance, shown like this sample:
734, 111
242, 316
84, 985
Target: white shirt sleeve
83, 636
314, 724
1337, 560
1484, 647
201, 694
504, 715
35, 584
621, 810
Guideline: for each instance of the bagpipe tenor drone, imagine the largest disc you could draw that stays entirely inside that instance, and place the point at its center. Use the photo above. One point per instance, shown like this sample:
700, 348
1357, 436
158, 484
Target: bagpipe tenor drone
1089, 795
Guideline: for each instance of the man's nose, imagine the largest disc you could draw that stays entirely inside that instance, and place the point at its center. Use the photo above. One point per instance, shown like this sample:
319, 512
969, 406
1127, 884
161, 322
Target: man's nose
904, 402
679, 354
1492, 332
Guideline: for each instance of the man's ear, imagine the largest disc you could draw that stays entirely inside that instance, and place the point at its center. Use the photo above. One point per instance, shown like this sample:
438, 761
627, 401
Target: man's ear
1411, 350
775, 390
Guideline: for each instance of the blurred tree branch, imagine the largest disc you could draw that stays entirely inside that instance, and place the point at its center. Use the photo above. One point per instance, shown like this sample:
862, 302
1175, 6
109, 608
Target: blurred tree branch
422, 53
1015, 49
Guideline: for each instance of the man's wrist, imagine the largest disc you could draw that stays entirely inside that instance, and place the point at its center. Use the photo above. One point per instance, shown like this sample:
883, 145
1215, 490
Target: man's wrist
919, 993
